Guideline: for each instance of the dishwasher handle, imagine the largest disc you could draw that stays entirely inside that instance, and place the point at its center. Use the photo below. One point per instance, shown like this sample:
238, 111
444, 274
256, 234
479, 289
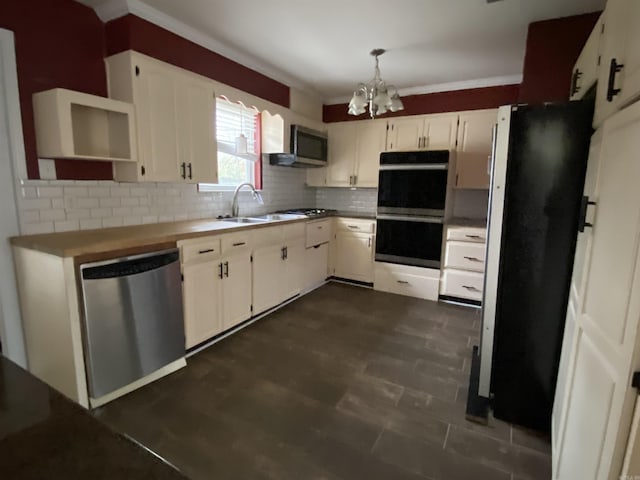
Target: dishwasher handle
129, 265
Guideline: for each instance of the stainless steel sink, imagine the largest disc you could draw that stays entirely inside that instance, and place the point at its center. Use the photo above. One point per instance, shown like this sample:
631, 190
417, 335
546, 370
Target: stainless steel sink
276, 217
243, 220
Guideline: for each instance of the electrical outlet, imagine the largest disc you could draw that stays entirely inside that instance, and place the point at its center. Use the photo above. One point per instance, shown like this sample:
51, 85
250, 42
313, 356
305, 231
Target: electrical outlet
47, 169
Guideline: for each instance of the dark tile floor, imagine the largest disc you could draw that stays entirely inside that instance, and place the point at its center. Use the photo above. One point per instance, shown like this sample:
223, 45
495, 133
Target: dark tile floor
344, 383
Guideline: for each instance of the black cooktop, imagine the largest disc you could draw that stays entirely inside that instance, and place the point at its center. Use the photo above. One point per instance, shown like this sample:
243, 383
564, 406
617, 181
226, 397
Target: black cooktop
310, 212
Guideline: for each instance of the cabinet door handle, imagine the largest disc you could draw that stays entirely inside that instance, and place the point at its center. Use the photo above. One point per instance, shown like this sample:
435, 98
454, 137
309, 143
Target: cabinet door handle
239, 244
226, 269
220, 271
614, 69
473, 259
403, 282
282, 253
355, 179
369, 242
472, 289
575, 88
208, 250
183, 170
286, 252
190, 172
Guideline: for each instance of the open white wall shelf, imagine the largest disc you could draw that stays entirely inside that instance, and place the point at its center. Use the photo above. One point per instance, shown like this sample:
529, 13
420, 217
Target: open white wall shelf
77, 125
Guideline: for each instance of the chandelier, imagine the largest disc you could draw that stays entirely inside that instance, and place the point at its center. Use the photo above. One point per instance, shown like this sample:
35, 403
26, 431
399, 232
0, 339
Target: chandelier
375, 94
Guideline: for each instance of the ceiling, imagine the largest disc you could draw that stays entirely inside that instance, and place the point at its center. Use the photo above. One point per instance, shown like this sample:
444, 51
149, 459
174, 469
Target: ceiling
323, 46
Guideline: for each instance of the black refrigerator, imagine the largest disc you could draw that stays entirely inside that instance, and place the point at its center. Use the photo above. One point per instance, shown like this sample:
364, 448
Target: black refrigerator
538, 170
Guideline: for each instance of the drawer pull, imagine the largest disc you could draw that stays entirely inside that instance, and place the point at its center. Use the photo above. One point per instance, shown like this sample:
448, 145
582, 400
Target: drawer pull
355, 227
473, 259
319, 227
403, 282
239, 244
208, 250
471, 289
475, 237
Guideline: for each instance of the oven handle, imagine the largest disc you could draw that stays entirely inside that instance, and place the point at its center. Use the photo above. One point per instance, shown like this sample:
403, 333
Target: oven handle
409, 166
410, 218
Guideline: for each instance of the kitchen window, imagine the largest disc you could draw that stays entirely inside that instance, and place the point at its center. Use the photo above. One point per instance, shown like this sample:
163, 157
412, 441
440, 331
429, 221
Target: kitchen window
236, 125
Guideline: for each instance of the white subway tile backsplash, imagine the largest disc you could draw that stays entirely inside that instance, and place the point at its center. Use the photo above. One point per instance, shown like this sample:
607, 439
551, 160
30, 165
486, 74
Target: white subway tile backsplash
110, 202
66, 225
101, 212
35, 204
90, 224
75, 191
112, 222
53, 214
48, 192
37, 228
86, 202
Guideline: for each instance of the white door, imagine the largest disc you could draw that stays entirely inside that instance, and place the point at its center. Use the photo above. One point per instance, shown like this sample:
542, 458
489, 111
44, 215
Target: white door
614, 42
354, 256
157, 120
197, 108
293, 267
405, 134
631, 78
268, 277
342, 154
201, 290
473, 153
595, 420
372, 138
236, 289
440, 132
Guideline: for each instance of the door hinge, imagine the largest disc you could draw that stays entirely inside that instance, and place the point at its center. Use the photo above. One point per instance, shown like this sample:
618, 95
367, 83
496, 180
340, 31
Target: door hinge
137, 71
635, 380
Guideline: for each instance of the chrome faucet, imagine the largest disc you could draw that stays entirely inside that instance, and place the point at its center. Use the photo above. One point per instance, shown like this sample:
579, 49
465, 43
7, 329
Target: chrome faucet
255, 194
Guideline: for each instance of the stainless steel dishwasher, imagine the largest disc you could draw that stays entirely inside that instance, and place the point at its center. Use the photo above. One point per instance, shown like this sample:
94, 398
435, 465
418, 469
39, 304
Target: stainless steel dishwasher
133, 323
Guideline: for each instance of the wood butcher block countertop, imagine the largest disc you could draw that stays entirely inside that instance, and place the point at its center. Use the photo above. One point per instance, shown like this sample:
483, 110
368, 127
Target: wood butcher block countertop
93, 244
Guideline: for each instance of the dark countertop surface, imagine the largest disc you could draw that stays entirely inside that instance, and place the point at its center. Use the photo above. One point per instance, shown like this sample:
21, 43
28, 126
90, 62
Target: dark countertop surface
45, 435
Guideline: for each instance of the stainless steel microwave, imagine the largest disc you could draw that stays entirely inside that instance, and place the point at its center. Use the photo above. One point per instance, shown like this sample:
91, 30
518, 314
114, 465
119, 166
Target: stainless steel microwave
309, 148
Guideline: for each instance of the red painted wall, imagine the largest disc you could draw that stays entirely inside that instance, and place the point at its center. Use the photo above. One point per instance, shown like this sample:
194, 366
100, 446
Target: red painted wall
553, 46
59, 43
456, 101
133, 33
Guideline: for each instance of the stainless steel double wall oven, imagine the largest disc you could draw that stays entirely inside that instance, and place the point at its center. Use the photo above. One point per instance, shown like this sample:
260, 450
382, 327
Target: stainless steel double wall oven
411, 203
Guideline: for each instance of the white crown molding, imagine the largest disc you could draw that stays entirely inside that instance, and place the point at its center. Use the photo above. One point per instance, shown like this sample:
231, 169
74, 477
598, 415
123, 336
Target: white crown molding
112, 9
446, 87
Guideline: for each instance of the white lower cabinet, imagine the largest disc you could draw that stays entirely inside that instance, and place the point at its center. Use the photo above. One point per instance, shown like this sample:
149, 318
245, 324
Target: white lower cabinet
407, 280
464, 258
353, 248
278, 261
216, 285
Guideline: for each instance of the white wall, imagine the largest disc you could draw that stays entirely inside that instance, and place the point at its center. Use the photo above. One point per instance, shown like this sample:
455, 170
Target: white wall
11, 153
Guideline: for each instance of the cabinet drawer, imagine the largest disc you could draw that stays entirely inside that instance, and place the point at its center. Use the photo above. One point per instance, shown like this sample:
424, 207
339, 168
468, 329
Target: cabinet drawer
404, 280
465, 256
467, 234
199, 250
457, 283
235, 242
317, 232
356, 225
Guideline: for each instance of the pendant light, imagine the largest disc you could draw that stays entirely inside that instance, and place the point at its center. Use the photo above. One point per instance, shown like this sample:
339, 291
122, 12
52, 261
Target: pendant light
375, 94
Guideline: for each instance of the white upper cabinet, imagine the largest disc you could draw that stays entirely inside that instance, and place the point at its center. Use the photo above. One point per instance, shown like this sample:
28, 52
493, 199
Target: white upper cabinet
586, 69
473, 157
631, 79
424, 132
612, 89
354, 154
78, 125
175, 120
371, 139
